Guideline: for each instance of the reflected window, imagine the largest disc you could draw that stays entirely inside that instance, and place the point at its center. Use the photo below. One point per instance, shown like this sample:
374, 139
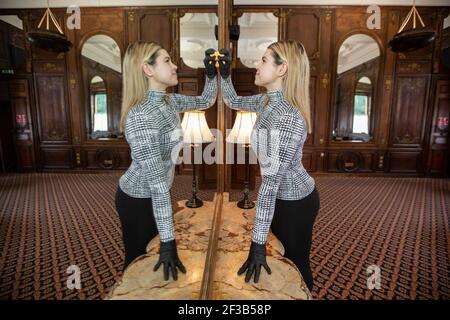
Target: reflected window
99, 104
361, 112
196, 36
257, 31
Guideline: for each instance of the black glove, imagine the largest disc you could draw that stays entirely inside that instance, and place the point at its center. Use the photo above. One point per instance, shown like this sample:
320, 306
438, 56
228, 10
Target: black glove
169, 257
225, 63
210, 63
256, 259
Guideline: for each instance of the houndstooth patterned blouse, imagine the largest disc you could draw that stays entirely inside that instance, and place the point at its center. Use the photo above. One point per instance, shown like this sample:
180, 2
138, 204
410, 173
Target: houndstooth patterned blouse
154, 133
277, 140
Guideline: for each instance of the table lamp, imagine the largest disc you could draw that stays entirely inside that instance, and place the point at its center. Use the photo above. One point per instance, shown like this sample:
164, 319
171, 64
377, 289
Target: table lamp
240, 134
195, 132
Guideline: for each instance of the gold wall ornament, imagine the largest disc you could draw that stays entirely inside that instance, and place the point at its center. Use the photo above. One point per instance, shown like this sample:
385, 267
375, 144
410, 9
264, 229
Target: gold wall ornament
328, 14
411, 67
50, 66
381, 162
131, 16
388, 83
73, 81
282, 15
325, 80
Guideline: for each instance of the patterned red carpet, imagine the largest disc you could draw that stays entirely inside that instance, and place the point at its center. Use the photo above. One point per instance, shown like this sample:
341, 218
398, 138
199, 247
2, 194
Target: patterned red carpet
51, 221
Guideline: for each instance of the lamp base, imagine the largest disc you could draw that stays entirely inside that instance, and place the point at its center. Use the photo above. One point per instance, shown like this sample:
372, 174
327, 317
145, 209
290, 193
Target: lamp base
245, 203
194, 203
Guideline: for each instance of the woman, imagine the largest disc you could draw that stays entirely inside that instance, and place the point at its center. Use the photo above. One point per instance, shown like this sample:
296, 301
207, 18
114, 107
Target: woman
287, 201
152, 128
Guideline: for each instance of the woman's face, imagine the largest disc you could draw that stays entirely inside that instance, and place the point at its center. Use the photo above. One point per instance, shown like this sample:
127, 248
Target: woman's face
163, 73
268, 74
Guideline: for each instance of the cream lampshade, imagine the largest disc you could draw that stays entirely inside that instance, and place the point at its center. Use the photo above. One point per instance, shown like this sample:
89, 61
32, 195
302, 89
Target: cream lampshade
242, 128
195, 128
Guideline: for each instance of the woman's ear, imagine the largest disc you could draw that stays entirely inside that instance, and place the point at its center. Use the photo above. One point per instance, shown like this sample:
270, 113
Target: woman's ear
282, 70
148, 70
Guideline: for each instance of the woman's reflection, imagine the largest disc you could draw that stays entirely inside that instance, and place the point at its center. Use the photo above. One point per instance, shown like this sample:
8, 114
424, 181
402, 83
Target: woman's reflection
152, 128
288, 200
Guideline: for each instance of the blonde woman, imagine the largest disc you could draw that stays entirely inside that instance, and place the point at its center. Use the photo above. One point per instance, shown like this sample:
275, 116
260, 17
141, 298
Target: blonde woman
287, 200
152, 128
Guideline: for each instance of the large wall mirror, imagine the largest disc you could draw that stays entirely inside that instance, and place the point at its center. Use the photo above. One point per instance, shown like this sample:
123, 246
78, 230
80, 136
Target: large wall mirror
102, 83
196, 36
356, 82
257, 31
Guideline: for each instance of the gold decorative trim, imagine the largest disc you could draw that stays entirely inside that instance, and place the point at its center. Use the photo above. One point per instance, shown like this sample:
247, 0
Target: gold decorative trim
406, 139
325, 80
131, 16
411, 67
388, 83
73, 81
436, 66
327, 14
381, 162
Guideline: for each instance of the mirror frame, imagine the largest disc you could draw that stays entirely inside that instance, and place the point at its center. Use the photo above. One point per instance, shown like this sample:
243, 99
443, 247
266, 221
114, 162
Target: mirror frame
377, 90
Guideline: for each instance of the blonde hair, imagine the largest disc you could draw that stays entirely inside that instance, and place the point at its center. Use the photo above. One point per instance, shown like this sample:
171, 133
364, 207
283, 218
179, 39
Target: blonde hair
135, 83
296, 79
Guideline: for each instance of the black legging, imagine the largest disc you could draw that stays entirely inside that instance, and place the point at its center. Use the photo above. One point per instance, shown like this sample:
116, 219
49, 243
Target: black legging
138, 224
292, 224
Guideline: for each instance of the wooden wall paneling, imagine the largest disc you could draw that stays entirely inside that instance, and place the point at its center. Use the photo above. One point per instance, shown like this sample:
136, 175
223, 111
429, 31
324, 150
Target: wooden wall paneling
351, 161
386, 84
25, 16
400, 161
156, 25
60, 157
5, 60
441, 15
19, 93
300, 20
323, 84
52, 109
107, 158
74, 91
131, 27
317, 44
410, 110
